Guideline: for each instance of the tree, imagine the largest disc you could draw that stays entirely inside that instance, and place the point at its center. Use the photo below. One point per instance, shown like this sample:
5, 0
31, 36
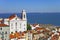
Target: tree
28, 27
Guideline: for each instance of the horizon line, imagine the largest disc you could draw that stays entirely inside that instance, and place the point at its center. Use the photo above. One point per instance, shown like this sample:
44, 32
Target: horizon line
29, 12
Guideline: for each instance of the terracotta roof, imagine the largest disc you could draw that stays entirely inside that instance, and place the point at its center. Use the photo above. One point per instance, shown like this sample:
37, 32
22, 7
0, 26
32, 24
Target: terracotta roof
34, 25
37, 28
11, 36
16, 35
3, 25
23, 33
12, 16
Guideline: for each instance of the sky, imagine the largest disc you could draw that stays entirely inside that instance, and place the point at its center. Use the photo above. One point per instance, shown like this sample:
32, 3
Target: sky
16, 6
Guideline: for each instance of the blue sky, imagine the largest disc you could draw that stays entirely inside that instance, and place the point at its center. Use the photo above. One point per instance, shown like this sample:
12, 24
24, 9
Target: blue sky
12, 6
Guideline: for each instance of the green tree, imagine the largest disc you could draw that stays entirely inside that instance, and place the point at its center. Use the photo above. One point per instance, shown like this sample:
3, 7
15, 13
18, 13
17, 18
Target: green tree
28, 27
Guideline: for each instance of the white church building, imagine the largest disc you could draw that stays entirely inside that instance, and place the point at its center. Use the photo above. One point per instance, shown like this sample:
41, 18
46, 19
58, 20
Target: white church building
16, 23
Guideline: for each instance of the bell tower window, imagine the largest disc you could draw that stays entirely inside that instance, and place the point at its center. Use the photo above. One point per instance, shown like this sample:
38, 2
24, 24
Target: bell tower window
24, 16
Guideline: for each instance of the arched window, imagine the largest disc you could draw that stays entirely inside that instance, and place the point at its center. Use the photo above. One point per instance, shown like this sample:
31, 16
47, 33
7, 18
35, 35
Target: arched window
24, 16
6, 32
11, 24
16, 24
20, 25
0, 28
24, 24
24, 28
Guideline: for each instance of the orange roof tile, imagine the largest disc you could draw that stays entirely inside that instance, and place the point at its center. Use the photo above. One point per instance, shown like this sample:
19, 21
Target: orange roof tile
23, 33
12, 16
3, 25
11, 36
16, 35
37, 28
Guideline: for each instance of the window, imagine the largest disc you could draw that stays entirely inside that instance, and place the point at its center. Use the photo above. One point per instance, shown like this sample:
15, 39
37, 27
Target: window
5, 35
16, 23
5, 39
11, 24
20, 25
24, 28
15, 31
0, 28
24, 16
11, 32
24, 24
11, 27
20, 31
2, 32
5, 32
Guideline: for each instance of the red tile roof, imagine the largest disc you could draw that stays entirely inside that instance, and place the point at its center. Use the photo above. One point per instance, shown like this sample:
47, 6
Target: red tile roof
12, 16
11, 36
16, 35
3, 25
37, 28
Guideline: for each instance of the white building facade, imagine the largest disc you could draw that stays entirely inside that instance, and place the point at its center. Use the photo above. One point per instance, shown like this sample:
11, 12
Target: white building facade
16, 23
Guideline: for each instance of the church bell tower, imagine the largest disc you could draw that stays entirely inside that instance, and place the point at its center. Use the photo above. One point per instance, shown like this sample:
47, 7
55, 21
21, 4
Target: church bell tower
24, 21
24, 15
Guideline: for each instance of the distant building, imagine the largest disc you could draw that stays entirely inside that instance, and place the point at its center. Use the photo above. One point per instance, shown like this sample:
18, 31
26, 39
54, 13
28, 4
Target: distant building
4, 32
30, 36
33, 26
1, 20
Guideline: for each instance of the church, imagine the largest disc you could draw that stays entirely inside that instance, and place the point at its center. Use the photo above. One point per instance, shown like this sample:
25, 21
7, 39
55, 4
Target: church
17, 24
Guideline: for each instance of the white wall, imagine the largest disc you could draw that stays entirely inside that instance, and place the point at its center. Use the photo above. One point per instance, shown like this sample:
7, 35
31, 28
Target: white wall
21, 26
6, 21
